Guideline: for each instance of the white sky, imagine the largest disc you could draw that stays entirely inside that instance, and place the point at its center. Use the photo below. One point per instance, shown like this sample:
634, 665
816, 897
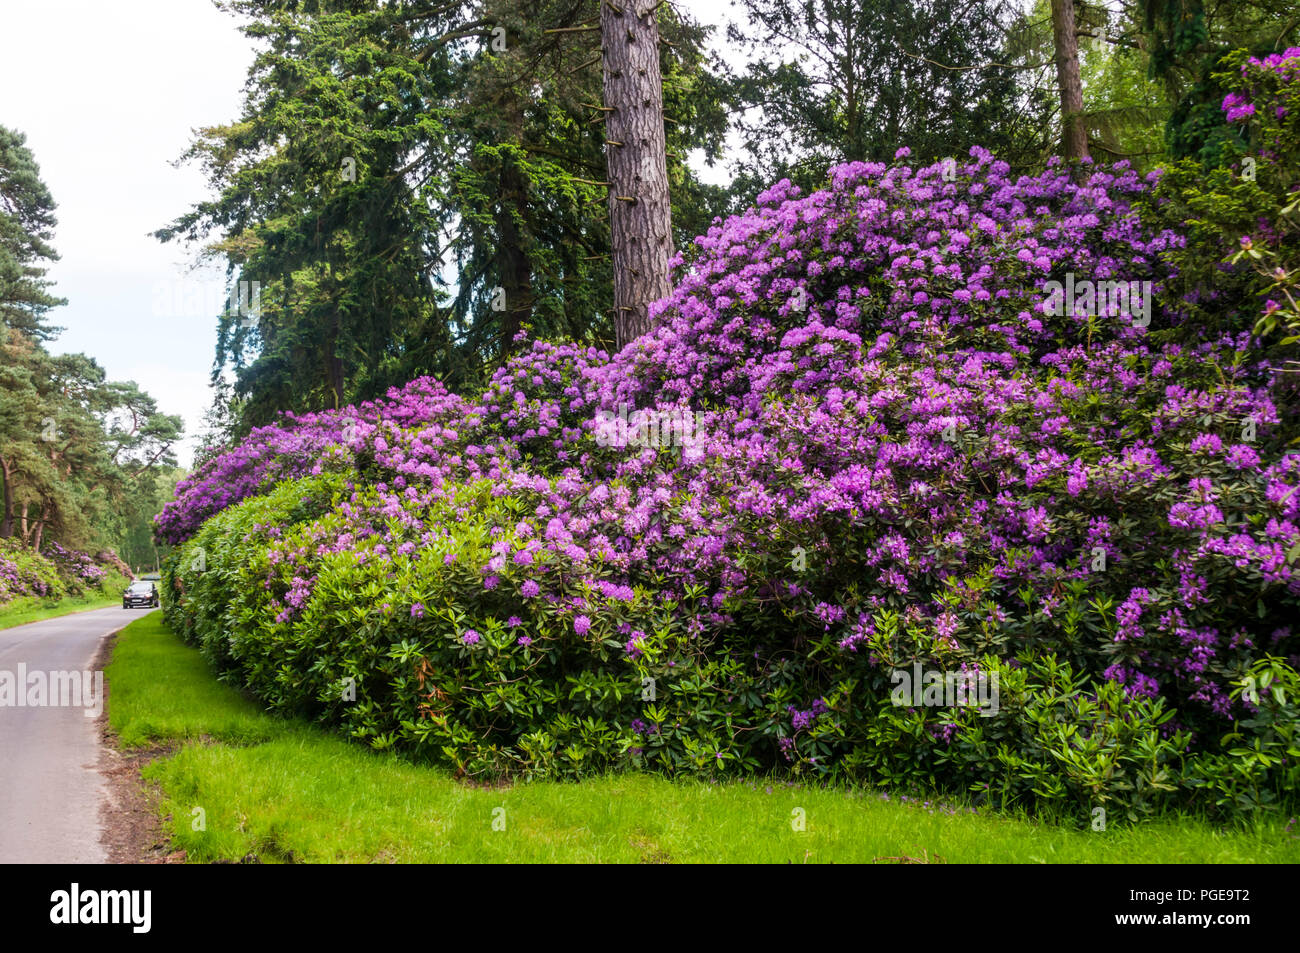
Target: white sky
108, 94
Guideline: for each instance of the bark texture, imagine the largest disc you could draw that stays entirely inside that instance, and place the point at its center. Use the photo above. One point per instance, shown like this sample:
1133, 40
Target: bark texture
515, 269
640, 215
6, 500
1074, 136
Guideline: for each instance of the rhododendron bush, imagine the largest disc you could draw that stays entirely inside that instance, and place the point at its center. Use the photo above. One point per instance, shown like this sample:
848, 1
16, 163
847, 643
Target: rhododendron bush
54, 573
79, 570
910, 450
25, 573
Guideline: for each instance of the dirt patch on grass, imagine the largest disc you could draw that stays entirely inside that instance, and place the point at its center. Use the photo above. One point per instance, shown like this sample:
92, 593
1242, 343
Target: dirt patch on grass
133, 831
651, 853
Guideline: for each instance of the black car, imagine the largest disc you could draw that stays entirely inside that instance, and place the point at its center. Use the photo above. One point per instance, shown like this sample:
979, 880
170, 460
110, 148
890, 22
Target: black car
140, 594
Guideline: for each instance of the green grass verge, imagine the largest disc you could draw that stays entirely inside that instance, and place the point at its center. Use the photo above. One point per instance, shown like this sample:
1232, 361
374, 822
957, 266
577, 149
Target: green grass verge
285, 791
31, 609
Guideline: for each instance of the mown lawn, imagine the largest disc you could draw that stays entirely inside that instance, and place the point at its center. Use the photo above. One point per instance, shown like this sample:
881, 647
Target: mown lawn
243, 783
31, 609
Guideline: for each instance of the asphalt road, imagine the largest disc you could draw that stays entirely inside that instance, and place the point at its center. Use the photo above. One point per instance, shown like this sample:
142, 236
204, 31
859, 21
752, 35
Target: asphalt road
51, 790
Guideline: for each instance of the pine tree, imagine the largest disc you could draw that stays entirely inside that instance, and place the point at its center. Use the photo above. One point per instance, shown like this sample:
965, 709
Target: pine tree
640, 211
1074, 133
26, 228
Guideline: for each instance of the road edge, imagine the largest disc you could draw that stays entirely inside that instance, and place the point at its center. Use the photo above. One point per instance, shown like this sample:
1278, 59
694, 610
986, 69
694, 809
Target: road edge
131, 826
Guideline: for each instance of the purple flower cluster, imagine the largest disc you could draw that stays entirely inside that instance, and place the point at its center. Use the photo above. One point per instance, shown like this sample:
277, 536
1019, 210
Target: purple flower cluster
79, 565
18, 578
1238, 106
302, 444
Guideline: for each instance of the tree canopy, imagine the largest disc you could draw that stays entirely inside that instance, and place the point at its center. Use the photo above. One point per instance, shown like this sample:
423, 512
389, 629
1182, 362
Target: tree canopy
411, 185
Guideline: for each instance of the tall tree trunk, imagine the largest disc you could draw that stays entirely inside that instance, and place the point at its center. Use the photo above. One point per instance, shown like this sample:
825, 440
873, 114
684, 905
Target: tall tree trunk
334, 363
335, 374
7, 501
640, 216
39, 531
1074, 136
337, 383
516, 270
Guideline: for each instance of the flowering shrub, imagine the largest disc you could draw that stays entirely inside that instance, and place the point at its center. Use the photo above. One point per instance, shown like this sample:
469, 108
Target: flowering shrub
918, 445
79, 570
268, 455
1241, 265
55, 573
25, 573
1271, 244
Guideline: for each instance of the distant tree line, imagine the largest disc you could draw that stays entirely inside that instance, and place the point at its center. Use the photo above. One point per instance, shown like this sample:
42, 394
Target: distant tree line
85, 462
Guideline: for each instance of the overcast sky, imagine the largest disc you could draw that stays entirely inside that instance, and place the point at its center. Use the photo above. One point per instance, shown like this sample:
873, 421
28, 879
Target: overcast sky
108, 93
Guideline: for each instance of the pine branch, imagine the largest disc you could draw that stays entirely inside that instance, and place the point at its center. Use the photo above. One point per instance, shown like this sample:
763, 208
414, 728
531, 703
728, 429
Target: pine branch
965, 69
